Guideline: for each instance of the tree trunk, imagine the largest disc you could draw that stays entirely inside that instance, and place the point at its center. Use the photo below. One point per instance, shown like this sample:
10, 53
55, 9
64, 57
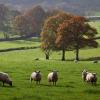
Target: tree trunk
6, 36
63, 55
77, 53
47, 56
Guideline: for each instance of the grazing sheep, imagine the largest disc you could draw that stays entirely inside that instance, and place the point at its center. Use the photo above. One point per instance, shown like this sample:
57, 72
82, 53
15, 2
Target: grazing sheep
5, 78
89, 77
53, 77
36, 76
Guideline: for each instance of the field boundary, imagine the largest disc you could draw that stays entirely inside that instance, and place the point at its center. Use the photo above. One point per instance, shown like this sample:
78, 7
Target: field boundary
19, 48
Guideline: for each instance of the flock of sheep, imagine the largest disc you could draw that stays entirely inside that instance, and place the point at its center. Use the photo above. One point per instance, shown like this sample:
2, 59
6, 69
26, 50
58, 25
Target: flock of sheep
52, 77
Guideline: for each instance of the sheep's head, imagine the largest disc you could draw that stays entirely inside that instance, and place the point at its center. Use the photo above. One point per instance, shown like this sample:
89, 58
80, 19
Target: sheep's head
37, 73
54, 72
94, 74
9, 82
84, 73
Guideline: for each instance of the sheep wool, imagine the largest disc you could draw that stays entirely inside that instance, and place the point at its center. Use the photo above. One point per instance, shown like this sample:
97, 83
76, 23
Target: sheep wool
4, 78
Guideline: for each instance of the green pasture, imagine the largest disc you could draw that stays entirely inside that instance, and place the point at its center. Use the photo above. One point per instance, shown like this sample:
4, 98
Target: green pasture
19, 65
34, 42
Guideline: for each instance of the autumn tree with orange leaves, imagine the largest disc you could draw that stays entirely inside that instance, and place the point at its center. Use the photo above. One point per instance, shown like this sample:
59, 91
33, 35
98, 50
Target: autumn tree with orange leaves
67, 32
74, 34
49, 32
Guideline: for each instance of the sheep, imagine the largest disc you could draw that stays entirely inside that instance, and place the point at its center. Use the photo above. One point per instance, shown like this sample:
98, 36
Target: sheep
36, 76
4, 78
53, 77
89, 77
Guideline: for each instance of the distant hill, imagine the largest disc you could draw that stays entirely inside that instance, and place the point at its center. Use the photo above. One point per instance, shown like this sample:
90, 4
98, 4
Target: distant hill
76, 6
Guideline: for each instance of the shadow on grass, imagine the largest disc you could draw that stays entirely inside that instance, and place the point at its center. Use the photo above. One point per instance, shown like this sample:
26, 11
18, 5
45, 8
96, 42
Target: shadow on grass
92, 91
81, 59
7, 86
70, 86
63, 86
46, 85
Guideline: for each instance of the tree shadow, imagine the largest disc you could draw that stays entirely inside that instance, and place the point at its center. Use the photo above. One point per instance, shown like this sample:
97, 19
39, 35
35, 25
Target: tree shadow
92, 91
63, 86
70, 86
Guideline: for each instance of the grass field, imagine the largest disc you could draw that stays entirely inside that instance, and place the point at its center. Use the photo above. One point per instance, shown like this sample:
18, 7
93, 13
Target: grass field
20, 64
20, 43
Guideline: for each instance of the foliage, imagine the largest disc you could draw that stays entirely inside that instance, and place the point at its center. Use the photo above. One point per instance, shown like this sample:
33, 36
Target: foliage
24, 25
39, 15
49, 32
3, 18
76, 33
67, 32
19, 65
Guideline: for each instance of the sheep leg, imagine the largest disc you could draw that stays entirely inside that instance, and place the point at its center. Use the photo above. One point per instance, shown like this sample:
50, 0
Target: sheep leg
50, 83
3, 83
55, 83
39, 82
36, 82
31, 80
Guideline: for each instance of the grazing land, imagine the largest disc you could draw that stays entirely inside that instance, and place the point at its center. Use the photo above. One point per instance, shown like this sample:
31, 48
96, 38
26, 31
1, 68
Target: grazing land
20, 64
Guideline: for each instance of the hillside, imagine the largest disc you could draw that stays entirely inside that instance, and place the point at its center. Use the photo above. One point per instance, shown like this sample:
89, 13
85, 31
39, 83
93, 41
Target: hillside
76, 6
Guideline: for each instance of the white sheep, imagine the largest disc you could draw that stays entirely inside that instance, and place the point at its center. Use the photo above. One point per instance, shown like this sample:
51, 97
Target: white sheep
36, 76
53, 77
4, 77
89, 77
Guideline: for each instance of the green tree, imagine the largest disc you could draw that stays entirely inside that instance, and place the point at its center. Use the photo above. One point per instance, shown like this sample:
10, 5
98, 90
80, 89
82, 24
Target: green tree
74, 34
49, 32
4, 19
39, 15
24, 25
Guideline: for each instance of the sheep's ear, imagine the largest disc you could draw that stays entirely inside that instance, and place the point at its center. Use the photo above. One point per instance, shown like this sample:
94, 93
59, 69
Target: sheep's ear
39, 71
94, 73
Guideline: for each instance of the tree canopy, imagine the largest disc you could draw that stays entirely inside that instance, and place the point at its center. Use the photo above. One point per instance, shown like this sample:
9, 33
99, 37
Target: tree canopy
67, 32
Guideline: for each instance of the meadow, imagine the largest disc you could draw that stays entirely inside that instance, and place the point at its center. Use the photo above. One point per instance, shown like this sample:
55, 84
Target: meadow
20, 64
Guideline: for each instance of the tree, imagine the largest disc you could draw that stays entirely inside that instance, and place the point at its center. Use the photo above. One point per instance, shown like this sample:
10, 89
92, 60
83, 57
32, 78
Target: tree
39, 15
63, 38
24, 25
49, 31
74, 34
4, 19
